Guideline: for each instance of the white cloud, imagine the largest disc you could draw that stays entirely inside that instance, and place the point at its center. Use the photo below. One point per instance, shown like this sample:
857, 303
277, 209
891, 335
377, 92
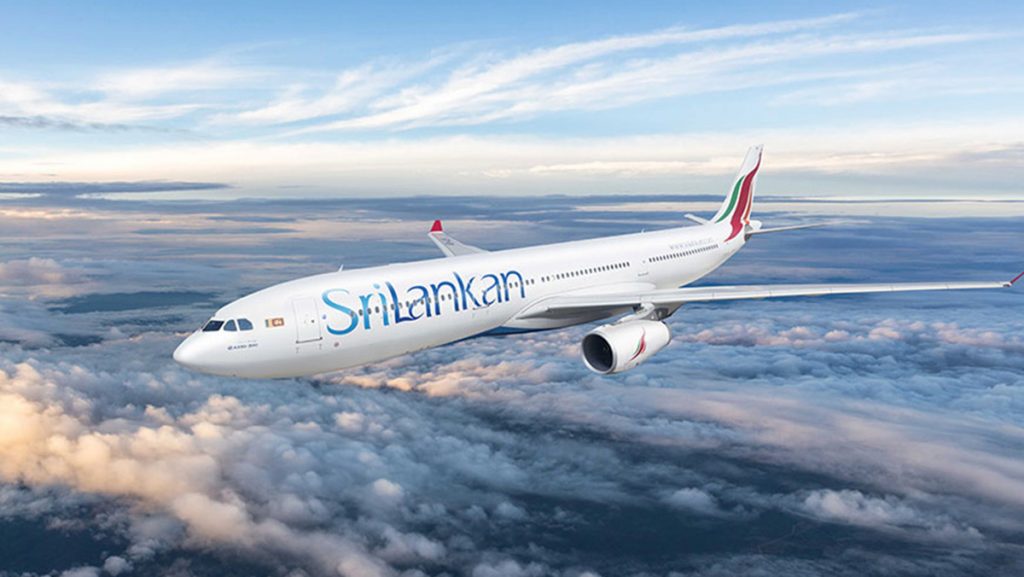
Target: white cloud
115, 565
509, 568
854, 507
694, 499
519, 87
203, 75
849, 159
27, 99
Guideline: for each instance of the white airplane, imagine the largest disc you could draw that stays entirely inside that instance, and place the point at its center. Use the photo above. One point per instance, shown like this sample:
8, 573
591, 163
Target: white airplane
349, 318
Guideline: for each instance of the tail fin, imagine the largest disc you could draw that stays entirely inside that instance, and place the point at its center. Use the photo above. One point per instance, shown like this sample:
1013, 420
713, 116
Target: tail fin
736, 208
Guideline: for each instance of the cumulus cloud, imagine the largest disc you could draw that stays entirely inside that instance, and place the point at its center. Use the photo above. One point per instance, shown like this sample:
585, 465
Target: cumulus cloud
856, 508
694, 499
115, 565
33, 271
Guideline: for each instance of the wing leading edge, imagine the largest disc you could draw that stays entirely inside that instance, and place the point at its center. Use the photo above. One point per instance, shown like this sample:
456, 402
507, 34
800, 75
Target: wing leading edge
566, 305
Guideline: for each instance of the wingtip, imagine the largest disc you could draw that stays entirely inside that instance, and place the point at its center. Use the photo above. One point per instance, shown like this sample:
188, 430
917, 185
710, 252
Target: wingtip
436, 227
1015, 279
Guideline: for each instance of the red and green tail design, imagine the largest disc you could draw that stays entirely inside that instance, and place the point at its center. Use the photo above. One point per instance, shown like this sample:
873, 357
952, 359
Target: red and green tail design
736, 208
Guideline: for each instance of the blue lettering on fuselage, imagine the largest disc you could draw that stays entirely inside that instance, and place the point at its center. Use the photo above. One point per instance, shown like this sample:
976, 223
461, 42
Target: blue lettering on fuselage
419, 300
353, 319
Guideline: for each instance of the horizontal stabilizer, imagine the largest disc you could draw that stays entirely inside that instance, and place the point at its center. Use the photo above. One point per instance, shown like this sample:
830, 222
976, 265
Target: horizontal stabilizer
752, 231
448, 245
695, 218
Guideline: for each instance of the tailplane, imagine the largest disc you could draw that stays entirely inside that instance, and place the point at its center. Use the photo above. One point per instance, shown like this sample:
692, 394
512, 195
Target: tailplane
736, 208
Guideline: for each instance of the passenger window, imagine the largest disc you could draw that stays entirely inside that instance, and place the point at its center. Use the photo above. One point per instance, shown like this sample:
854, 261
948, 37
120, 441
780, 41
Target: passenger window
244, 325
230, 326
213, 326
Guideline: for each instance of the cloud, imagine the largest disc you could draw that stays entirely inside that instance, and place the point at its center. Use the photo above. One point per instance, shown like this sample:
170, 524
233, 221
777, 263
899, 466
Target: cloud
43, 122
800, 159
519, 87
40, 278
509, 568
856, 508
115, 565
145, 83
33, 271
351, 89
29, 100
694, 499
84, 188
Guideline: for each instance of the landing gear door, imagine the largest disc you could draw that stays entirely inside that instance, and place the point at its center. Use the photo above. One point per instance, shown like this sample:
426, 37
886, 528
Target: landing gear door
307, 320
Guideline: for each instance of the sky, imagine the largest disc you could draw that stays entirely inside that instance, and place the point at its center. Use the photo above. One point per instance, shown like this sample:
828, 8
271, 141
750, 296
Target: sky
160, 160
917, 99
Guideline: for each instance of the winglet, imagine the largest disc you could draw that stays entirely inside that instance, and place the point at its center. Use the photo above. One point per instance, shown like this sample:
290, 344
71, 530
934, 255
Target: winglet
1015, 279
448, 245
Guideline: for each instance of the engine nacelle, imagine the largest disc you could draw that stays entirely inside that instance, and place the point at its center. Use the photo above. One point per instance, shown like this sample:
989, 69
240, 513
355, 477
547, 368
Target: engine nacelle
615, 348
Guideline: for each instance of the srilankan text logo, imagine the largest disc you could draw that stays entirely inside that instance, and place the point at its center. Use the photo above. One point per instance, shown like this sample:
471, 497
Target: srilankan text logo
421, 300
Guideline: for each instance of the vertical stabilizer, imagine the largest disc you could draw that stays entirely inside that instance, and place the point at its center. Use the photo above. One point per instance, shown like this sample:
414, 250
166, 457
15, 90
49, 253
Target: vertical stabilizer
736, 208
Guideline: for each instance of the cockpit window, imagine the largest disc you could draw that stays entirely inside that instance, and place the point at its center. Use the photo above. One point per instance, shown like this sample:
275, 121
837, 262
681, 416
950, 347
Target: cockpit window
212, 326
244, 325
230, 326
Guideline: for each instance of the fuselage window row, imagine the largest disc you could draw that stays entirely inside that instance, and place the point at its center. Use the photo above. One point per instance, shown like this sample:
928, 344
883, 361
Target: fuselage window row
585, 271
682, 254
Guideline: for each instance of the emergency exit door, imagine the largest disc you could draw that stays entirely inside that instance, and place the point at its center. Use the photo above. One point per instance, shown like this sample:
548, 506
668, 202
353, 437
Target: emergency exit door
307, 320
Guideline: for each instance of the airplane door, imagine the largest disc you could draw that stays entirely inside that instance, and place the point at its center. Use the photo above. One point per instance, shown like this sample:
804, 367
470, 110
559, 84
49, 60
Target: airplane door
307, 320
643, 269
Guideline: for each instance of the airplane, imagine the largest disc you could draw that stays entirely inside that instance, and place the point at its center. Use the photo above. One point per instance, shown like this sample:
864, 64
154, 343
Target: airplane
349, 318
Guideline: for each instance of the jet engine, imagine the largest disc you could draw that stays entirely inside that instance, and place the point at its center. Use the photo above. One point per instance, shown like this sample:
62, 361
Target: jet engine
618, 347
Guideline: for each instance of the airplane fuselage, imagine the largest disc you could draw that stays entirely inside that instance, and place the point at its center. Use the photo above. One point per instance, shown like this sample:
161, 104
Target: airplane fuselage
348, 318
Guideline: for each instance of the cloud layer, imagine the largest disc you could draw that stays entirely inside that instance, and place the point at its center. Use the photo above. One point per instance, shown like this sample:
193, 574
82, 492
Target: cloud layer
853, 435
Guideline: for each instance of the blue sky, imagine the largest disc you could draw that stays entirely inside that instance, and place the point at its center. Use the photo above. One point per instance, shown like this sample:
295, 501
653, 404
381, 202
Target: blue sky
335, 99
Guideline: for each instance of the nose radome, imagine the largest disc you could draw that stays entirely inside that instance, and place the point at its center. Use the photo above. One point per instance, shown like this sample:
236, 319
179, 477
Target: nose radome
187, 353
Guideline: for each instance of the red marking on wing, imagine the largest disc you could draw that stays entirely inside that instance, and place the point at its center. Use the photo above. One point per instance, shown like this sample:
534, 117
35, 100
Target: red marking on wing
1016, 278
436, 227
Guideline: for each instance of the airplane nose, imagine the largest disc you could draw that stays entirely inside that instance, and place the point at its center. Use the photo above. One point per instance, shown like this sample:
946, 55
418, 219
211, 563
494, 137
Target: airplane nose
188, 352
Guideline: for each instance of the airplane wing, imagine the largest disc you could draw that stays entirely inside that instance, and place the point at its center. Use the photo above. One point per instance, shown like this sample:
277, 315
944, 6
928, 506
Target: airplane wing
752, 231
448, 245
569, 305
